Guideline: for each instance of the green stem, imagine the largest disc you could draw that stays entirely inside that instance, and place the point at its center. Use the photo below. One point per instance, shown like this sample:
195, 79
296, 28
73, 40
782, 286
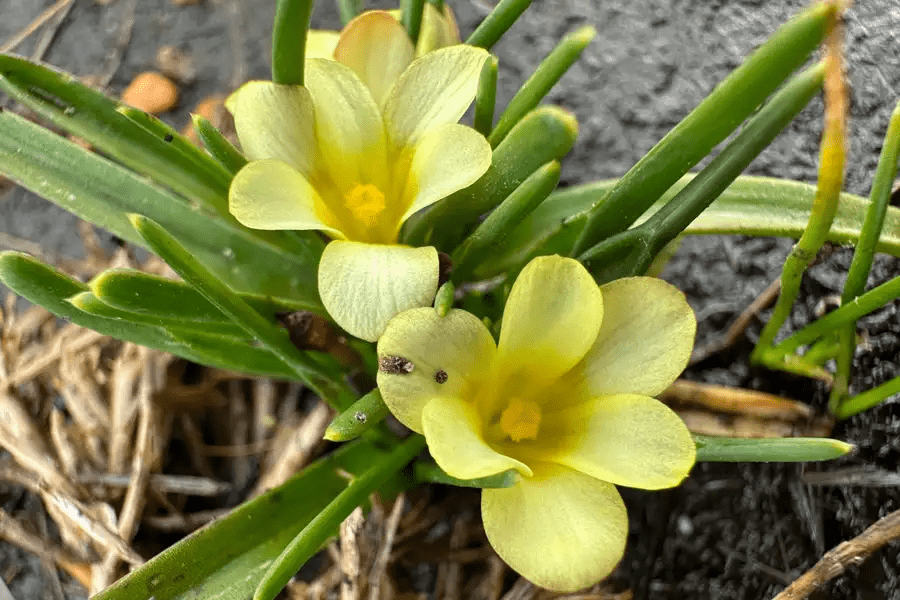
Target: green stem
732, 101
486, 98
218, 147
868, 399
289, 40
349, 9
716, 449
544, 77
495, 24
412, 17
326, 522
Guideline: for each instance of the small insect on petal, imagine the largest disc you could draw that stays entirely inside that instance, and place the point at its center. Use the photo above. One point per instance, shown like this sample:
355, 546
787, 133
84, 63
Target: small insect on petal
395, 365
441, 376
360, 416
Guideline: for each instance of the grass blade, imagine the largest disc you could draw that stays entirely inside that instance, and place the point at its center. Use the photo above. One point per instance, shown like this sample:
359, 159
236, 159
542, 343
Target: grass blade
716, 449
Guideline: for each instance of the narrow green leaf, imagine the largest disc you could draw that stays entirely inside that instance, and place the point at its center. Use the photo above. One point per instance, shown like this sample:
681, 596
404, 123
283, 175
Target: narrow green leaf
103, 193
546, 134
327, 521
497, 23
359, 418
219, 147
43, 285
431, 473
490, 235
544, 77
732, 101
155, 296
868, 399
486, 98
349, 9
411, 17
289, 40
327, 384
716, 449
610, 260
227, 558
443, 300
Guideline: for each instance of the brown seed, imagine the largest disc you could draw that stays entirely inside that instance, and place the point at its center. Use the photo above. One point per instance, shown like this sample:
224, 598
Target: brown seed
395, 365
152, 92
441, 376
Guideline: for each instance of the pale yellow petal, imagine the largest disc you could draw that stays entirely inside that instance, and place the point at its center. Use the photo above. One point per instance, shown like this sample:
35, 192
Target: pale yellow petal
455, 438
435, 90
275, 121
363, 286
349, 128
448, 357
645, 341
550, 321
438, 29
376, 47
560, 529
321, 43
625, 439
268, 194
445, 160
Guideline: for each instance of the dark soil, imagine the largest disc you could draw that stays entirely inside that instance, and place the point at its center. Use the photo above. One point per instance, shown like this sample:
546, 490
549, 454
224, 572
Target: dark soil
731, 531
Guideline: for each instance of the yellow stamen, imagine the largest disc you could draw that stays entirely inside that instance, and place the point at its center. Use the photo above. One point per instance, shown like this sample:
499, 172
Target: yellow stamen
366, 202
521, 420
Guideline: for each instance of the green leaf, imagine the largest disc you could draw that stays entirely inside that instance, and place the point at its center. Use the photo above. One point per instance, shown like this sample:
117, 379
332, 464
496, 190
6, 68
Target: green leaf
327, 383
497, 22
548, 73
721, 449
349, 9
732, 101
431, 473
444, 299
327, 521
219, 147
486, 98
103, 193
631, 252
546, 134
289, 40
359, 418
42, 285
751, 205
411, 17
159, 297
227, 558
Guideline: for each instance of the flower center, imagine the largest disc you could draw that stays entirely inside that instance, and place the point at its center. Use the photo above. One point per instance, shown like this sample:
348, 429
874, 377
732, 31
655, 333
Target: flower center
365, 202
521, 420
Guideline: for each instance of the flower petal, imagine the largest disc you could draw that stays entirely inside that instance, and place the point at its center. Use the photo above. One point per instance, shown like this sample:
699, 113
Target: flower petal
645, 340
349, 128
275, 121
435, 90
625, 439
445, 160
561, 529
268, 194
375, 45
453, 430
550, 321
321, 43
458, 344
364, 285
438, 29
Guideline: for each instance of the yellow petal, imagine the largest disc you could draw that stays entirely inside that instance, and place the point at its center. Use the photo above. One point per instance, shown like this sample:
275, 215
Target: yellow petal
625, 439
457, 345
349, 128
375, 45
275, 121
560, 529
438, 30
550, 321
435, 90
321, 43
268, 194
453, 430
364, 285
645, 340
445, 160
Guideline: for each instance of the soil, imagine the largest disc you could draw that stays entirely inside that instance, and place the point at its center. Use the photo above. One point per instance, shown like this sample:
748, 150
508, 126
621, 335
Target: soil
731, 531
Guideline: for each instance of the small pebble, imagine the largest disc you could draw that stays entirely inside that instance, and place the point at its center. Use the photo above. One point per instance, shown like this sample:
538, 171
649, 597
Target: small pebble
151, 92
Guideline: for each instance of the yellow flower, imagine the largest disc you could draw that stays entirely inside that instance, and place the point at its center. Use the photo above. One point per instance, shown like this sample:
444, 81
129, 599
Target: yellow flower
564, 399
371, 138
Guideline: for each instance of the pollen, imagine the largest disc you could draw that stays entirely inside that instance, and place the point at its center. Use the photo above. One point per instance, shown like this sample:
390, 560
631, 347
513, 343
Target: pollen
366, 202
521, 420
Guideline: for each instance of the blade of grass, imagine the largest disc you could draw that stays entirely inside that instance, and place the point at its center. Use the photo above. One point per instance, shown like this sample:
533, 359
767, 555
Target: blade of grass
716, 449
868, 399
497, 23
430, 472
289, 40
732, 101
359, 418
541, 81
327, 521
218, 147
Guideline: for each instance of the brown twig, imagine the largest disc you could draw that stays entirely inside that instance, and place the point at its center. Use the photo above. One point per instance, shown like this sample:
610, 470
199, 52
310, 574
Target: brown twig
42, 18
846, 554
